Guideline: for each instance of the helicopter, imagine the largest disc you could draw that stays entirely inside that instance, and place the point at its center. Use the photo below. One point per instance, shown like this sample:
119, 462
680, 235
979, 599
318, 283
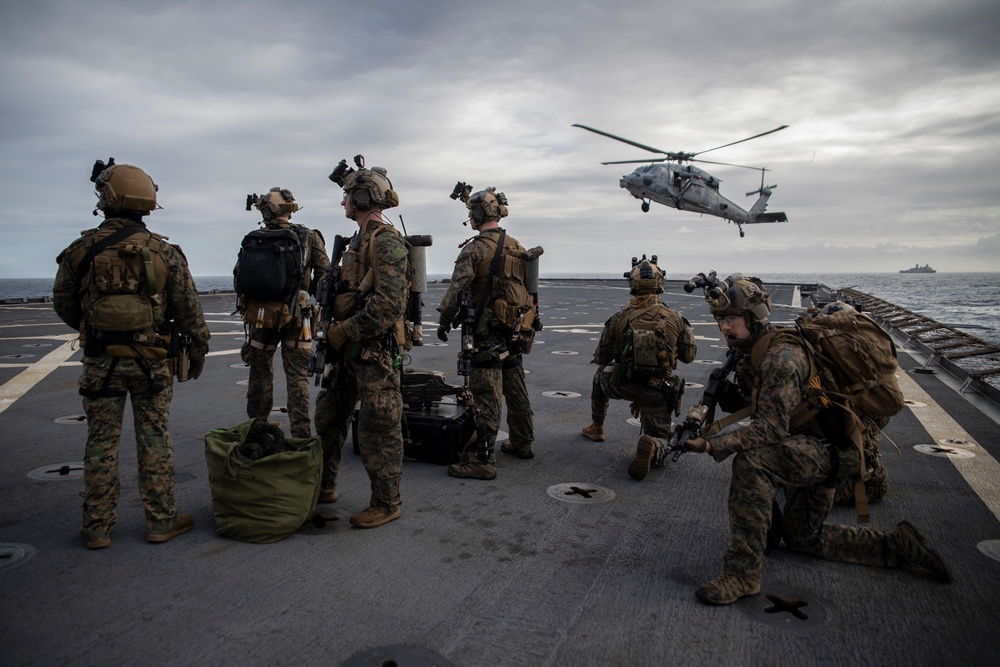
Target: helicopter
688, 188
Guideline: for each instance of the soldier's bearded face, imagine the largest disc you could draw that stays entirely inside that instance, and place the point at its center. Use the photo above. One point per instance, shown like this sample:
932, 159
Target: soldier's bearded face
734, 328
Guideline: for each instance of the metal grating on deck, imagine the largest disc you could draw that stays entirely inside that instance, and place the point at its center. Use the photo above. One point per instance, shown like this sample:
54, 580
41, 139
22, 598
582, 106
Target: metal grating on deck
970, 358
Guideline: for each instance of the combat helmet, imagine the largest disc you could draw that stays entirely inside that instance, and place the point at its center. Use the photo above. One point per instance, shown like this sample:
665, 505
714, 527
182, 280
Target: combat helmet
738, 295
370, 189
646, 277
275, 203
487, 205
123, 187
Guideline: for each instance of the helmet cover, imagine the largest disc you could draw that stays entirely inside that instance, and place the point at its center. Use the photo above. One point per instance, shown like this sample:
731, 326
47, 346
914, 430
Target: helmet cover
123, 187
646, 277
376, 182
491, 205
276, 202
741, 296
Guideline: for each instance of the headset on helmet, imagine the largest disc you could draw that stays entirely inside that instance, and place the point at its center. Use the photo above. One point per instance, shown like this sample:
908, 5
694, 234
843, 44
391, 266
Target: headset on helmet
484, 205
368, 188
646, 277
123, 187
739, 295
274, 203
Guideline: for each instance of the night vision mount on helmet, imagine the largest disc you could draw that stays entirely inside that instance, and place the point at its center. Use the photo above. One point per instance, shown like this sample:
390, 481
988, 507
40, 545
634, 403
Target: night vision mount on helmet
368, 188
274, 203
122, 187
484, 205
646, 277
736, 295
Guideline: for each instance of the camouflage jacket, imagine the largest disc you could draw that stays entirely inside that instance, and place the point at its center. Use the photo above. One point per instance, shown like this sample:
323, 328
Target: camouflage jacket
783, 372
183, 306
684, 345
386, 304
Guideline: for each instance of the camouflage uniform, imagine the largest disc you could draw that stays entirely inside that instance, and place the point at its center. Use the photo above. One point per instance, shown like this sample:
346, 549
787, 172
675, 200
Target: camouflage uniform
496, 374
768, 457
369, 371
258, 351
654, 405
125, 376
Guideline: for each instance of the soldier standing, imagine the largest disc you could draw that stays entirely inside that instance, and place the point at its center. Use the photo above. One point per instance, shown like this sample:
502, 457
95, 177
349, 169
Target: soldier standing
492, 266
777, 449
364, 342
131, 296
275, 318
637, 355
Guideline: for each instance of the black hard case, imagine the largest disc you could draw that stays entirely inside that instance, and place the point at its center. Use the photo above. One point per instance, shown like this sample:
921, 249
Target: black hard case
434, 434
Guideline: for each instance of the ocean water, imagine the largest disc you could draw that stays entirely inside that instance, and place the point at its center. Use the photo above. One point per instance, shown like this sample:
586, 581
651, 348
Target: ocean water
966, 301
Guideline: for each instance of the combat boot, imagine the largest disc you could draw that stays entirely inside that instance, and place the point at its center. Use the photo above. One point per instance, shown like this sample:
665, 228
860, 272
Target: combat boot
728, 588
645, 450
328, 495
185, 522
910, 550
473, 470
96, 540
373, 517
595, 432
519, 452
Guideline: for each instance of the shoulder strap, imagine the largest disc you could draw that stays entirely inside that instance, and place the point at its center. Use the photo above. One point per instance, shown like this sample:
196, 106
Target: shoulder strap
494, 268
106, 243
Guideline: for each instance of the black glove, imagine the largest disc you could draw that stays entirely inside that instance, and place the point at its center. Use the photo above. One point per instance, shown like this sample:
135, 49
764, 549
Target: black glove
442, 333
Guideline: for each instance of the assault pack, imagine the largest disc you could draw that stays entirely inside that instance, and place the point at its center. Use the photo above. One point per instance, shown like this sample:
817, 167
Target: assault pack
507, 306
269, 273
854, 361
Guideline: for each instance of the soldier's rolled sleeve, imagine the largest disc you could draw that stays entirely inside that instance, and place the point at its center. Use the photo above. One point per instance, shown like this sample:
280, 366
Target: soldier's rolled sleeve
388, 299
781, 372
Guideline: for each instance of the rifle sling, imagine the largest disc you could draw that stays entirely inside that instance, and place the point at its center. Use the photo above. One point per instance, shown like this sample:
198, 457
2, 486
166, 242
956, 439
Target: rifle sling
494, 269
106, 243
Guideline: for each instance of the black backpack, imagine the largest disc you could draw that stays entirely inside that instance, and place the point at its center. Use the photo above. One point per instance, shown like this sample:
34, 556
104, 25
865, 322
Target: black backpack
270, 265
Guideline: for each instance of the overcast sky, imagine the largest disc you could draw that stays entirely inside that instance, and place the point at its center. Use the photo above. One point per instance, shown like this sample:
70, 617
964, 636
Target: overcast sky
891, 158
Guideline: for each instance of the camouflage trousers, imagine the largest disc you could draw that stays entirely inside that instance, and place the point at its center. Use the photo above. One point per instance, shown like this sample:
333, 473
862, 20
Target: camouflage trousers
490, 387
260, 388
653, 405
376, 384
799, 464
151, 415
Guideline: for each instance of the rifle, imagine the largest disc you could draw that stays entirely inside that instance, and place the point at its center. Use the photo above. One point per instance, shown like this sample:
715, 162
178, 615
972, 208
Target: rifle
702, 412
326, 291
466, 319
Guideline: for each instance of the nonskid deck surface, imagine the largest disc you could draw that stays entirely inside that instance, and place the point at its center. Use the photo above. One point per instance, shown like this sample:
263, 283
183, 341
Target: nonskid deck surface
563, 559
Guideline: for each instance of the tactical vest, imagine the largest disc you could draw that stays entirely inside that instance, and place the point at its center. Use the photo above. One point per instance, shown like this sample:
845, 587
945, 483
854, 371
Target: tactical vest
646, 342
358, 277
509, 309
123, 291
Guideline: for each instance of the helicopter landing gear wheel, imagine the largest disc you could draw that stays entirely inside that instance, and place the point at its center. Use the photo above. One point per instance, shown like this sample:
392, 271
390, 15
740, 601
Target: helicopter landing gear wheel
742, 233
645, 207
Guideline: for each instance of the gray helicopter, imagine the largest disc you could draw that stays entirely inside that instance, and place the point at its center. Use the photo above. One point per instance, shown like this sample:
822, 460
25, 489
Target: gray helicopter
688, 188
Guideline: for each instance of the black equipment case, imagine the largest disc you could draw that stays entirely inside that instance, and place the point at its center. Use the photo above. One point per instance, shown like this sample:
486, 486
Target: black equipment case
434, 434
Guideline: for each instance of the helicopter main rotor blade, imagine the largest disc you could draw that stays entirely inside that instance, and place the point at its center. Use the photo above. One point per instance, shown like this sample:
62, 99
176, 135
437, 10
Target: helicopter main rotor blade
622, 139
647, 161
740, 141
730, 164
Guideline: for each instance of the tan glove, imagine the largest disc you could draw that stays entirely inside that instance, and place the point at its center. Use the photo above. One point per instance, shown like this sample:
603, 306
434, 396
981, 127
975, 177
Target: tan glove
335, 336
195, 367
699, 445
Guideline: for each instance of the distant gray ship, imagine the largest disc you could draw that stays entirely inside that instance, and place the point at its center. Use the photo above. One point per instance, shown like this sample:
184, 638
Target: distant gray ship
926, 268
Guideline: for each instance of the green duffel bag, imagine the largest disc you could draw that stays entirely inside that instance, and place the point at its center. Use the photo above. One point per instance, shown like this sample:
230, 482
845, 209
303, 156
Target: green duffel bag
264, 499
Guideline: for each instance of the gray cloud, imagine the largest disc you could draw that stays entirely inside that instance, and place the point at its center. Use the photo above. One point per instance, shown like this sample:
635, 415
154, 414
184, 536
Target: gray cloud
890, 157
